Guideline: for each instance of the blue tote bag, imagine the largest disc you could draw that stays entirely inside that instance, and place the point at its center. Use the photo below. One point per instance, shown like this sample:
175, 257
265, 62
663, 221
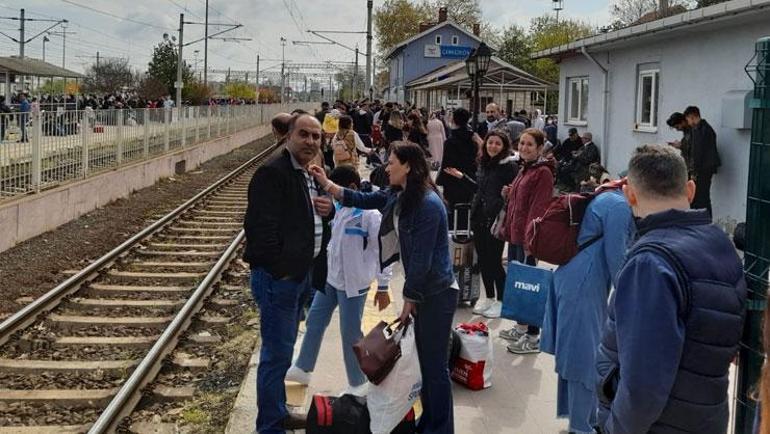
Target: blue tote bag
526, 292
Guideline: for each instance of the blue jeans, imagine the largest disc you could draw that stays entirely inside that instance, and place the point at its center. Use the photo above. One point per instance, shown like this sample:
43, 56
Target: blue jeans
432, 327
280, 303
351, 311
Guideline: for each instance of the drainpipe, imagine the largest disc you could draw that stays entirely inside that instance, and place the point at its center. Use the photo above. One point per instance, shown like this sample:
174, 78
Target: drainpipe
605, 104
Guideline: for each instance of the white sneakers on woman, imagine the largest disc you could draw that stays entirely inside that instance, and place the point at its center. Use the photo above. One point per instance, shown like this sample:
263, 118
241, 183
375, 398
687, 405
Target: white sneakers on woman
298, 375
488, 308
481, 306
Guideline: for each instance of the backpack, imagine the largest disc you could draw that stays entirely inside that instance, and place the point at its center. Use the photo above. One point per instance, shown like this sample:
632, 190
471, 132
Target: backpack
553, 237
340, 148
346, 414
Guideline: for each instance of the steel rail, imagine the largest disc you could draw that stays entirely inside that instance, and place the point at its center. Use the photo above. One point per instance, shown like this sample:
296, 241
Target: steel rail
131, 392
29, 313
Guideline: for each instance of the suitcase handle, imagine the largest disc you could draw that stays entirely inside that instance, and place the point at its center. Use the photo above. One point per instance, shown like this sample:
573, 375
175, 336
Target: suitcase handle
455, 211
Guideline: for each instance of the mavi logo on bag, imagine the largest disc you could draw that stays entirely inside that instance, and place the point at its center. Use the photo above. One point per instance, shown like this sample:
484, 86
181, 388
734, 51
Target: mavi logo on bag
527, 286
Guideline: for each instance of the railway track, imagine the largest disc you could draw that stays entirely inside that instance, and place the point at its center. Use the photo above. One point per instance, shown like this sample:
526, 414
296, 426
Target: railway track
80, 357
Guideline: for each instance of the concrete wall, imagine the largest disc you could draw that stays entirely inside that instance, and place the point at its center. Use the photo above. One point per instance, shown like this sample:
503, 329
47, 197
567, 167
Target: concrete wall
32, 215
699, 68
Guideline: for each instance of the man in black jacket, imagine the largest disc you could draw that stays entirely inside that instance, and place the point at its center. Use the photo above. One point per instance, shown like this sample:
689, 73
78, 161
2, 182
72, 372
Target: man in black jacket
704, 156
284, 226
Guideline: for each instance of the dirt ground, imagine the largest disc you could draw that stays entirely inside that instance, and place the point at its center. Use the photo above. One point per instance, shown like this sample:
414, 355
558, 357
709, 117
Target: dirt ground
36, 265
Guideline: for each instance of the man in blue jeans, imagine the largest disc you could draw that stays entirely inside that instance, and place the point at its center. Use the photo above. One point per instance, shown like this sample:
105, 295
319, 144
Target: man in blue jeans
283, 225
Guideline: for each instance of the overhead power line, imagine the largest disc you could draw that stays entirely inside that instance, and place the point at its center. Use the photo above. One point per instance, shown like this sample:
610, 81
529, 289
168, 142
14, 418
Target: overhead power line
117, 17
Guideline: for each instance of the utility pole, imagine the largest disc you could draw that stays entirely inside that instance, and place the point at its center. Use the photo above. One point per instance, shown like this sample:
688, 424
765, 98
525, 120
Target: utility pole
21, 34
369, 66
354, 88
45, 39
22, 41
206, 47
283, 65
306, 98
179, 62
257, 92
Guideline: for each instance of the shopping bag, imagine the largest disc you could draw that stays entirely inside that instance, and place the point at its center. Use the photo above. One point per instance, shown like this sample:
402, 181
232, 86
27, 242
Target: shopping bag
473, 367
391, 400
378, 351
526, 292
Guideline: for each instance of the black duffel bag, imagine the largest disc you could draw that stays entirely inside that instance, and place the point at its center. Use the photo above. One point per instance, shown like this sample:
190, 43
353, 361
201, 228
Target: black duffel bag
346, 414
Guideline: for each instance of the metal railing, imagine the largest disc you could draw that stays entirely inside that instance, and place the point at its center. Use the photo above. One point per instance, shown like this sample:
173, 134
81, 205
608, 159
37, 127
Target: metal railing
41, 150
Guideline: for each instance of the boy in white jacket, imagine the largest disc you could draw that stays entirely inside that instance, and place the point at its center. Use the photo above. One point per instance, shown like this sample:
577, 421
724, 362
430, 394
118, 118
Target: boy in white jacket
354, 262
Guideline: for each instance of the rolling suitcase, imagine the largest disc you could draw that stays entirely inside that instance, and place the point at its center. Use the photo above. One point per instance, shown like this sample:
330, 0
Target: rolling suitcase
463, 256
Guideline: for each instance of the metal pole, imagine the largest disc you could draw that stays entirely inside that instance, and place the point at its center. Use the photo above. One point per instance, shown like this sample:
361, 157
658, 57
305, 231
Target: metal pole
21, 34
369, 80
257, 92
45, 39
179, 61
206, 47
354, 87
283, 65
64, 49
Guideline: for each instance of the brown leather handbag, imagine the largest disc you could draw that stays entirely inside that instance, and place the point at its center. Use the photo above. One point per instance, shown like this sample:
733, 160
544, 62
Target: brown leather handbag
378, 351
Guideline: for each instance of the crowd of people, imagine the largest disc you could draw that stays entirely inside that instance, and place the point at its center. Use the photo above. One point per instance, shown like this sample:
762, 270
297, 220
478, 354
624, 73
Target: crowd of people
643, 321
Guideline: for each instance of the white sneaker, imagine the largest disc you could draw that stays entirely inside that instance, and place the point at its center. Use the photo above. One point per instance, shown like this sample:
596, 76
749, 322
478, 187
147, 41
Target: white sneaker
481, 306
494, 310
361, 390
298, 375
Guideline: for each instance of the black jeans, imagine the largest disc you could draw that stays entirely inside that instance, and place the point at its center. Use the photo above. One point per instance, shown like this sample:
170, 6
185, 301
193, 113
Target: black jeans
516, 253
702, 199
490, 251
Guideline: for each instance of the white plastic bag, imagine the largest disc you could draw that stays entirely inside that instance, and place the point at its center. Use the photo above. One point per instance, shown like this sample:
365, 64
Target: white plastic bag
390, 401
473, 367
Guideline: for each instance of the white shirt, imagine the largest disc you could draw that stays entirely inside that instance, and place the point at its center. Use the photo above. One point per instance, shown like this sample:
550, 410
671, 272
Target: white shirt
354, 252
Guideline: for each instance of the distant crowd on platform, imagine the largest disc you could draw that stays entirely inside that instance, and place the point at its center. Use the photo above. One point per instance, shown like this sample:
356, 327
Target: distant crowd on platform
643, 320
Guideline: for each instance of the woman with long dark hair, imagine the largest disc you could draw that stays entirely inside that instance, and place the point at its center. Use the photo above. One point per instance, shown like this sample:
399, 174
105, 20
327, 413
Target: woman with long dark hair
496, 170
528, 197
414, 230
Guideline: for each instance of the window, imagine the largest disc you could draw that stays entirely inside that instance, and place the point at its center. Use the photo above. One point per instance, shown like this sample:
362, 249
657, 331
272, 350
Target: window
455, 40
647, 100
578, 100
438, 39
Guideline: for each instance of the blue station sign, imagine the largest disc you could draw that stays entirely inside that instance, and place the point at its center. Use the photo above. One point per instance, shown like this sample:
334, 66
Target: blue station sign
455, 51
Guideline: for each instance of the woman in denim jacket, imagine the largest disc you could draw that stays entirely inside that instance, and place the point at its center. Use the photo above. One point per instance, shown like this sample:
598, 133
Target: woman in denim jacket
414, 230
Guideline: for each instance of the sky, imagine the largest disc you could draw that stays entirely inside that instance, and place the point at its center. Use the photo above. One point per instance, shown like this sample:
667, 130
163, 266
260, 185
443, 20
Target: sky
130, 28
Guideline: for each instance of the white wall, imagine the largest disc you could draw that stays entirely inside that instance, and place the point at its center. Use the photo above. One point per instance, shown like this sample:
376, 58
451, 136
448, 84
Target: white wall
697, 67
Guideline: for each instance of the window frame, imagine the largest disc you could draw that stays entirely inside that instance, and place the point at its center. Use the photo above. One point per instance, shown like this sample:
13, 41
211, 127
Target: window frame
582, 118
438, 39
652, 126
455, 40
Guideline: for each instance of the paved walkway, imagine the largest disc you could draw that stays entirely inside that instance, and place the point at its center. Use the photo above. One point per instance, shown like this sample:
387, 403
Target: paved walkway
522, 398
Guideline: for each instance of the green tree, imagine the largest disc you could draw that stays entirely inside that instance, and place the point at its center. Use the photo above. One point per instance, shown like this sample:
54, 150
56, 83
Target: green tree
515, 47
464, 12
110, 75
545, 32
151, 88
240, 89
163, 66
627, 12
198, 94
397, 20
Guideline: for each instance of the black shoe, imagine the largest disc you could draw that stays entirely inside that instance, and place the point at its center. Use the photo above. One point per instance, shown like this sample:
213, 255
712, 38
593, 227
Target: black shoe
295, 421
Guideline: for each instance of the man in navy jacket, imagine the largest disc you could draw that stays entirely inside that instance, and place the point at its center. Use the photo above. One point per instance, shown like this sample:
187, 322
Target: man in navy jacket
676, 316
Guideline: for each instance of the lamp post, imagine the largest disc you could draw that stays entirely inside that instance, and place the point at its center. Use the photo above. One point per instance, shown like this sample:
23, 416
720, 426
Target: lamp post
477, 65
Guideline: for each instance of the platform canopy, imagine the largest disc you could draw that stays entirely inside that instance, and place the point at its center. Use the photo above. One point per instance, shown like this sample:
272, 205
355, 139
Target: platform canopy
34, 67
501, 74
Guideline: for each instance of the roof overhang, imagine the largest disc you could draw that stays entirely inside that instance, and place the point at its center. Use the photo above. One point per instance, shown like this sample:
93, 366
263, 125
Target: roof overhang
501, 75
35, 68
731, 10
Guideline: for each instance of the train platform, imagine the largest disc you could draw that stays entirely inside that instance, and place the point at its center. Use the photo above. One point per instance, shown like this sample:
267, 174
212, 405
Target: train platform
522, 398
